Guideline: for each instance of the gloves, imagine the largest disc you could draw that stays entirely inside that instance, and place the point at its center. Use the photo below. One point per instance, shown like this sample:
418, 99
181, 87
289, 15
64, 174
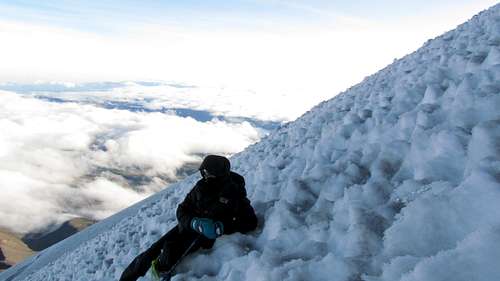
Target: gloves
207, 227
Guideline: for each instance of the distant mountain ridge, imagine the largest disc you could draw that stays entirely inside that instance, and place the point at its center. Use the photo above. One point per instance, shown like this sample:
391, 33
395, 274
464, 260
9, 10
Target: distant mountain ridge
14, 248
39, 242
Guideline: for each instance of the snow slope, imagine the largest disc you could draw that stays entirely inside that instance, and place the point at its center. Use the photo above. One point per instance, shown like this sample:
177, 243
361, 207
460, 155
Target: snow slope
398, 178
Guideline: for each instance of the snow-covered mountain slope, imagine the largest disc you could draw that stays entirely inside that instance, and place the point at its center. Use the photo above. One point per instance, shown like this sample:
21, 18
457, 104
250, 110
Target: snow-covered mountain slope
398, 178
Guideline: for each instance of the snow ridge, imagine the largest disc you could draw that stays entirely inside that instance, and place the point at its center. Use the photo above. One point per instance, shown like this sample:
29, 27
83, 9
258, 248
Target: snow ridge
398, 178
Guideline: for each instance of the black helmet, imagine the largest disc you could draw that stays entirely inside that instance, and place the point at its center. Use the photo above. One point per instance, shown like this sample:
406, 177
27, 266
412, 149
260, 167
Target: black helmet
215, 166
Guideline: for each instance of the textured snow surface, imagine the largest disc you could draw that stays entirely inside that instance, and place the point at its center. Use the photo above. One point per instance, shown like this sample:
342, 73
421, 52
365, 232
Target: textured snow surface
398, 178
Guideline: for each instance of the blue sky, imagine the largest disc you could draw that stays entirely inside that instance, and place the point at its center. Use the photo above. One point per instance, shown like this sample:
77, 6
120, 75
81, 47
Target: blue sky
113, 15
100, 16
285, 44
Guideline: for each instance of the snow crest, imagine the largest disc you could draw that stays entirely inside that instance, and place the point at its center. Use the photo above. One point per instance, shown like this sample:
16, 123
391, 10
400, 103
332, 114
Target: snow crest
398, 178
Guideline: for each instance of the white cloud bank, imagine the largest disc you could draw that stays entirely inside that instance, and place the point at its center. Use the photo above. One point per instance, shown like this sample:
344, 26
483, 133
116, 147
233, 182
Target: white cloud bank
59, 160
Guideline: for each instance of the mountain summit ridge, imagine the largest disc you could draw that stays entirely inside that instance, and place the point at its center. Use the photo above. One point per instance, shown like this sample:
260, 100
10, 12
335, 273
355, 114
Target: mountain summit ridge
394, 179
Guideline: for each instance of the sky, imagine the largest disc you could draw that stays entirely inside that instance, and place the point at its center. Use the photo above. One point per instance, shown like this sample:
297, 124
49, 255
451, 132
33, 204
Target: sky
310, 47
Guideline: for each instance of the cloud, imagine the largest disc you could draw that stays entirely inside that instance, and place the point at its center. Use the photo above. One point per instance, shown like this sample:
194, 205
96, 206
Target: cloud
199, 102
280, 46
319, 59
60, 160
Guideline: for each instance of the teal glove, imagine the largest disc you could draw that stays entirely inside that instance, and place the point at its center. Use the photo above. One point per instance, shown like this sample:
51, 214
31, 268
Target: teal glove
207, 227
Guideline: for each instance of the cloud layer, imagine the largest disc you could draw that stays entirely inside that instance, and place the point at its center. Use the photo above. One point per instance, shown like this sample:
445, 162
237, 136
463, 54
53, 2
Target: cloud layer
64, 159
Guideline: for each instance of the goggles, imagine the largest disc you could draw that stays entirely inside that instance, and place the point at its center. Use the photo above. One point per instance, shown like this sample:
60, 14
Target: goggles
205, 174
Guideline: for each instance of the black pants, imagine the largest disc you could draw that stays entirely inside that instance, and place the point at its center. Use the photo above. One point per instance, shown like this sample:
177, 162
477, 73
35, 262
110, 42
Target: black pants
169, 248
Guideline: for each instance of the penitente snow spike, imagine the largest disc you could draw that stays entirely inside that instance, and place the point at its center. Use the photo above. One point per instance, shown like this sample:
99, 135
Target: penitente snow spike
166, 276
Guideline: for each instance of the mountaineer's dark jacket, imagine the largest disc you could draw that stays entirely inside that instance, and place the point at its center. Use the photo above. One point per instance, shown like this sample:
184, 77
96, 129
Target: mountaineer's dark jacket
221, 199
220, 196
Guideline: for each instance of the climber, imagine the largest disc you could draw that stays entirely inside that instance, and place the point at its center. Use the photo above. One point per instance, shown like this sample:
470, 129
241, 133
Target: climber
217, 205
